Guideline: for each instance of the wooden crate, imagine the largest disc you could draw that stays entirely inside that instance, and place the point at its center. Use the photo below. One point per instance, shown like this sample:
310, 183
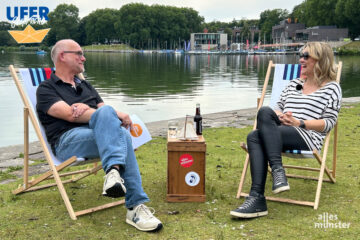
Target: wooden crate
186, 170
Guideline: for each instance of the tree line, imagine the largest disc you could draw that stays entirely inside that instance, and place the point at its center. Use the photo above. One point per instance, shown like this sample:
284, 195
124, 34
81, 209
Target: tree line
136, 24
148, 27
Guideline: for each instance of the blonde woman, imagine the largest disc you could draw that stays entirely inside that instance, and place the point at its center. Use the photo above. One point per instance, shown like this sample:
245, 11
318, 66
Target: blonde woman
306, 111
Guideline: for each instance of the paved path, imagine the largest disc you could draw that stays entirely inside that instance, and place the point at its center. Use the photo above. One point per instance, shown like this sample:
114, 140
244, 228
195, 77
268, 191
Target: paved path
10, 156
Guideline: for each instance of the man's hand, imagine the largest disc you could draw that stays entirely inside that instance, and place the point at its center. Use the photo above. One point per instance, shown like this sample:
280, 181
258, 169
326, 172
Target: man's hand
78, 109
126, 121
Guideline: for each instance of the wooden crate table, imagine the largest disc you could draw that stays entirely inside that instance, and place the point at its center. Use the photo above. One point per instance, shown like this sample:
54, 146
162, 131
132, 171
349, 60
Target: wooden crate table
186, 170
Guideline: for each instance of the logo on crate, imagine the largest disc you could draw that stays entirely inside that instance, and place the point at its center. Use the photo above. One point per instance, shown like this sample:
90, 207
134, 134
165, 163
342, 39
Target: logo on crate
186, 160
192, 179
136, 131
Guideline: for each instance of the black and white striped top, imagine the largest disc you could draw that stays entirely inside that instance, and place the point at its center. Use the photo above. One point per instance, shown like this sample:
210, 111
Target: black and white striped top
323, 104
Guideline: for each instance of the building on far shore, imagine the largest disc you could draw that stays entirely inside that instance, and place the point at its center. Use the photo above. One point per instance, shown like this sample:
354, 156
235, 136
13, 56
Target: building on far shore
206, 41
290, 31
286, 30
238, 35
321, 33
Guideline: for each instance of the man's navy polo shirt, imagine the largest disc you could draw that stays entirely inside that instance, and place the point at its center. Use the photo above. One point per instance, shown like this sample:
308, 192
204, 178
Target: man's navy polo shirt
54, 90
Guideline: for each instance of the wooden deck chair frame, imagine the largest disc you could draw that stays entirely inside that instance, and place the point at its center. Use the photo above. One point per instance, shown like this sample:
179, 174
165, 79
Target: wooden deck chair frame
53, 173
321, 158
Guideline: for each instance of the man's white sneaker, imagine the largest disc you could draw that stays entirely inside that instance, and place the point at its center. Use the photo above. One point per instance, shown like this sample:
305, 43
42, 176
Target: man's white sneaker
143, 219
114, 185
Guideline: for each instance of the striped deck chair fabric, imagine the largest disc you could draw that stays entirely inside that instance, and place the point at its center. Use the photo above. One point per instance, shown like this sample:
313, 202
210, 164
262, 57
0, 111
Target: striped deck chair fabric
32, 78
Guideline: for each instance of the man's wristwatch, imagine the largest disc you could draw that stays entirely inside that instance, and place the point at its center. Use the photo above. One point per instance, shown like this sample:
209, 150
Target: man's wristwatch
302, 124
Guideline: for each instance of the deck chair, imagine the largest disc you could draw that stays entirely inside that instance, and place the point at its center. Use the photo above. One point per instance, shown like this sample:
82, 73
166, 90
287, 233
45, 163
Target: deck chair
32, 77
283, 73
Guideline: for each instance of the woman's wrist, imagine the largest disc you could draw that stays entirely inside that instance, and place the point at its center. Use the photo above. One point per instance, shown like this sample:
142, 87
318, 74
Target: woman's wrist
302, 124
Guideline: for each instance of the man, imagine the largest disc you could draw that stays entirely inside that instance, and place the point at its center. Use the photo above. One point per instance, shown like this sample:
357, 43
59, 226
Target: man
78, 123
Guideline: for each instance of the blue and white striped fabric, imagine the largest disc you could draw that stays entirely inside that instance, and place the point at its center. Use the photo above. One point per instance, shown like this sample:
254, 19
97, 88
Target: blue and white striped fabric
32, 77
282, 76
291, 71
298, 154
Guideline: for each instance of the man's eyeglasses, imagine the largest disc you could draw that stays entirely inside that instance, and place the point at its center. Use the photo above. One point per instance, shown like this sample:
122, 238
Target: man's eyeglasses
304, 55
79, 53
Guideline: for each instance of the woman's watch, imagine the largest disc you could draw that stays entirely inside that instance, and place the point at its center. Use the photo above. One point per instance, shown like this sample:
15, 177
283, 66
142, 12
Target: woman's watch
302, 124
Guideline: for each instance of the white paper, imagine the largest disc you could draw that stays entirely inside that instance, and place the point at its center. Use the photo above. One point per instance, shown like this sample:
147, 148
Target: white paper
140, 134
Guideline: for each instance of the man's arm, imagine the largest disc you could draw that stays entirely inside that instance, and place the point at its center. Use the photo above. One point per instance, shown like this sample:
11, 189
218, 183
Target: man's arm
78, 112
125, 118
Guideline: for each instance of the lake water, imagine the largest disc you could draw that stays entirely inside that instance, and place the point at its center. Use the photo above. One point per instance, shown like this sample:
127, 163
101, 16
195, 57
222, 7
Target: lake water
160, 86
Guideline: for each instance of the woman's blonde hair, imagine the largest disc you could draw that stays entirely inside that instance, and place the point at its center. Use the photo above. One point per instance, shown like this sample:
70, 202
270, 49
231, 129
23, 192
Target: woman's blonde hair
324, 68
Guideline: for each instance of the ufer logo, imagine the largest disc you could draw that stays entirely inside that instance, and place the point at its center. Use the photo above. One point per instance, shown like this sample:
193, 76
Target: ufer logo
27, 13
136, 130
18, 14
29, 35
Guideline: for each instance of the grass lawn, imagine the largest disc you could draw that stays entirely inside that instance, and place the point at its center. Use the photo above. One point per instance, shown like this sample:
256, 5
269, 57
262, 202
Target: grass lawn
353, 48
108, 47
42, 214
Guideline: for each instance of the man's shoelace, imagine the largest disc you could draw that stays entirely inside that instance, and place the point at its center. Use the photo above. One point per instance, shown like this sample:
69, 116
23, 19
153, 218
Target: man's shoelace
113, 176
148, 212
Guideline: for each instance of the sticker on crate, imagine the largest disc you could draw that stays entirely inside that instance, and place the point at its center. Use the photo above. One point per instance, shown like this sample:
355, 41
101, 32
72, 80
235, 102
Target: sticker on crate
186, 160
192, 179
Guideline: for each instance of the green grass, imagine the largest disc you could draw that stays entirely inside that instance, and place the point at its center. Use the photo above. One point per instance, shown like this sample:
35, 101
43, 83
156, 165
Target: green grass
7, 174
42, 214
108, 47
352, 48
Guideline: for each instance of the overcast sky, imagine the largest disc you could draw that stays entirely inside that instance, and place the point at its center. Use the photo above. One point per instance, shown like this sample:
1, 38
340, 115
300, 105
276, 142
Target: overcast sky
221, 10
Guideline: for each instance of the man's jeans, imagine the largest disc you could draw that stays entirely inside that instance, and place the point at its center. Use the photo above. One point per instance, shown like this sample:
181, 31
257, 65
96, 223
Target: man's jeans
105, 138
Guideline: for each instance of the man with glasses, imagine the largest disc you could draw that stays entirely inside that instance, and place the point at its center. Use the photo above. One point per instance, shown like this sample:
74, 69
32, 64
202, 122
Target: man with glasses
78, 123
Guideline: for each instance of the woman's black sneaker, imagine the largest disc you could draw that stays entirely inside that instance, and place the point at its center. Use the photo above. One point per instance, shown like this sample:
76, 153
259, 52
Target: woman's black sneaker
251, 208
280, 182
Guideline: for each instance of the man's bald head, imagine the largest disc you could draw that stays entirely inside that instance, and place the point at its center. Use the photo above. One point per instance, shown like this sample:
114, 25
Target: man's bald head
60, 46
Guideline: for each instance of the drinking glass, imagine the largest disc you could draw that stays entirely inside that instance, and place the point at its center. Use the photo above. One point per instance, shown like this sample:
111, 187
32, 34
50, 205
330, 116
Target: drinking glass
172, 128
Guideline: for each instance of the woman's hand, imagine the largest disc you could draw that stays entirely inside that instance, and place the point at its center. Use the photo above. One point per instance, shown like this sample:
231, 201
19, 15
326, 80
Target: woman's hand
288, 119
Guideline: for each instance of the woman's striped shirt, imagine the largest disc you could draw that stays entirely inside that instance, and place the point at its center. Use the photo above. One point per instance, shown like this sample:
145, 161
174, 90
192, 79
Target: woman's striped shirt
323, 104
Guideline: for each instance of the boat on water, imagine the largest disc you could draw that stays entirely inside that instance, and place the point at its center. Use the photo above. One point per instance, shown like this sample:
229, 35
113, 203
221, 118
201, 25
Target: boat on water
40, 52
179, 51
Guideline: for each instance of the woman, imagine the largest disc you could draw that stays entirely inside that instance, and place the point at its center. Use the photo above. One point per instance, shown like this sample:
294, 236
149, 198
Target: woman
306, 111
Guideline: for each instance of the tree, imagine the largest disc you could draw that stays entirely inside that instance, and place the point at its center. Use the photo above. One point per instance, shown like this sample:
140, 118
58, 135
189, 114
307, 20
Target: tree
146, 26
133, 23
347, 15
270, 18
64, 23
320, 12
99, 25
5, 26
299, 12
5, 38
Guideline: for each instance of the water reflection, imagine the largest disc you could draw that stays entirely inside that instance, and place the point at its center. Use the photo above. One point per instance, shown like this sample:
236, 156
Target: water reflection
161, 86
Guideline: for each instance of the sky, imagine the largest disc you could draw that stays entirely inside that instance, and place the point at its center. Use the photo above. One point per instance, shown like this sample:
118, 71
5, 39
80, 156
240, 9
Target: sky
220, 10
